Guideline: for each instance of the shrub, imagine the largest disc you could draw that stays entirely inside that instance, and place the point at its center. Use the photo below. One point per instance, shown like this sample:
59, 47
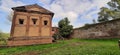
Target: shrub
65, 29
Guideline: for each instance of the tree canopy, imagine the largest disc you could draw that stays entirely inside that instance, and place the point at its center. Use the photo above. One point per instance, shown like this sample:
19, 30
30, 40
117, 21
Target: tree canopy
65, 29
111, 12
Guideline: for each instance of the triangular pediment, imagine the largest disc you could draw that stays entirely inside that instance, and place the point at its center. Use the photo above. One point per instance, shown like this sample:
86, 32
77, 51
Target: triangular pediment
33, 7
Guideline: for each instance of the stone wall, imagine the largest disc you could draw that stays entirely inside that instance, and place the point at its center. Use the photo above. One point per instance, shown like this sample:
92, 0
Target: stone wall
110, 29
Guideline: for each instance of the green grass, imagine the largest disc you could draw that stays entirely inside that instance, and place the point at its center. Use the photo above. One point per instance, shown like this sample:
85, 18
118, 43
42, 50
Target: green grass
68, 47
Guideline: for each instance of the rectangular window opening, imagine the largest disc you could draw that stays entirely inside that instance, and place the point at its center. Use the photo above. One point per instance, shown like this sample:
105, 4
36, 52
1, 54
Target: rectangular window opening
21, 21
45, 22
34, 21
52, 29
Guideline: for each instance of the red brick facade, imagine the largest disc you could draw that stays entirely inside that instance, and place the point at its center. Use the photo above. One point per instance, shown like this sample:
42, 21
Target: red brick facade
31, 24
54, 30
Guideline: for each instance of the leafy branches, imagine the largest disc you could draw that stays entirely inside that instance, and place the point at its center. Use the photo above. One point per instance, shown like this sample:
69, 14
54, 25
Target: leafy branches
65, 29
113, 12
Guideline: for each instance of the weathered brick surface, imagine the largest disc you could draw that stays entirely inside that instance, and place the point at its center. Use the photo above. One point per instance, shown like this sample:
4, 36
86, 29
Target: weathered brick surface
29, 42
20, 31
110, 29
31, 32
55, 30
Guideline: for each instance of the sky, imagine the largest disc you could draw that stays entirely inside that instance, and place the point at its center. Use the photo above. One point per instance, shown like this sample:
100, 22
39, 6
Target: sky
79, 12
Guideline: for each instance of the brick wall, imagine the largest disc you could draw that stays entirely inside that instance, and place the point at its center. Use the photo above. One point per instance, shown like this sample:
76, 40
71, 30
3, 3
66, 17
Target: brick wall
39, 30
110, 29
29, 41
32, 29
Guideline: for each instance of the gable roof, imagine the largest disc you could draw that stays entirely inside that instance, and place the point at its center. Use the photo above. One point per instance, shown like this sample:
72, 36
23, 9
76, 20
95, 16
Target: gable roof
27, 8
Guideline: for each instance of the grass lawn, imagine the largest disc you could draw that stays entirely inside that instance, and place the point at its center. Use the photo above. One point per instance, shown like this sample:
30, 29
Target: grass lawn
68, 47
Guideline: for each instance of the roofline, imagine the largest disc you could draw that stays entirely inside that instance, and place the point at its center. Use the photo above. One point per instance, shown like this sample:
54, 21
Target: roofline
13, 8
24, 10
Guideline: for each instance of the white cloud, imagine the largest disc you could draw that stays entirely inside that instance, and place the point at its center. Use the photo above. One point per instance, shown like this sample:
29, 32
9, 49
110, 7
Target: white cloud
54, 24
74, 8
77, 25
46, 1
89, 15
101, 3
64, 8
6, 8
8, 4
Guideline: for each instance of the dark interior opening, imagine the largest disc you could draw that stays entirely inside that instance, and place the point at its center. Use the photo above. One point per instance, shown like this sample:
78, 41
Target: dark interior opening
52, 29
34, 21
21, 21
45, 22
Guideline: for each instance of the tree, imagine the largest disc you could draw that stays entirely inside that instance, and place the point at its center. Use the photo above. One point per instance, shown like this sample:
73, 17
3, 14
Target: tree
94, 22
111, 12
65, 29
0, 33
87, 24
114, 8
103, 14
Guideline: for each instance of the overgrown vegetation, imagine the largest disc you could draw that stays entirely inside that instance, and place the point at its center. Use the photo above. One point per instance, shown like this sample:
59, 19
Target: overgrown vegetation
3, 38
68, 47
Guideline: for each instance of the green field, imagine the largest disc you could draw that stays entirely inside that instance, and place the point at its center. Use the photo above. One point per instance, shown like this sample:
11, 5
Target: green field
68, 47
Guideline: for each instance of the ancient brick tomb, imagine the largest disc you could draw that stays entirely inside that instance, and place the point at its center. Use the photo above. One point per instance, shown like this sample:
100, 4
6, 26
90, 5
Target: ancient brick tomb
31, 24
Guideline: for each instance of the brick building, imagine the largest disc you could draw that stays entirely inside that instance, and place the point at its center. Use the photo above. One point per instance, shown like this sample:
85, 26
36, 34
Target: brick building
31, 24
55, 30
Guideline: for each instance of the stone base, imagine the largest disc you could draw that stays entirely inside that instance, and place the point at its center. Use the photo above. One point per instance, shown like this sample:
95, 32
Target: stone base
21, 42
